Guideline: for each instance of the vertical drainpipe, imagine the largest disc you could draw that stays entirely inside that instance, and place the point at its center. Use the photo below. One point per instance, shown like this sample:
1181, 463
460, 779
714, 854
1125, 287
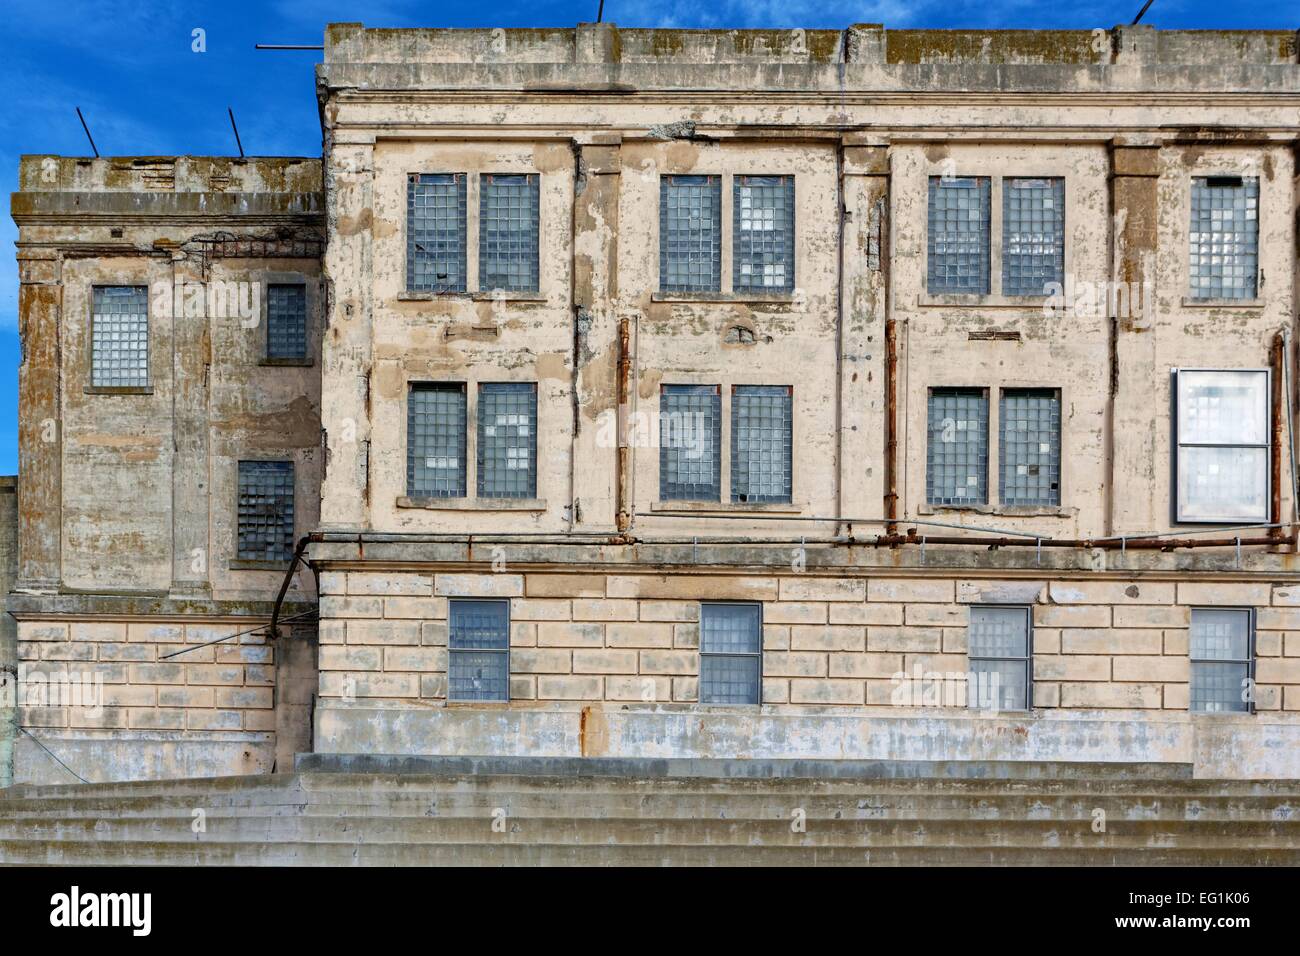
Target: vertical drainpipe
624, 476
891, 426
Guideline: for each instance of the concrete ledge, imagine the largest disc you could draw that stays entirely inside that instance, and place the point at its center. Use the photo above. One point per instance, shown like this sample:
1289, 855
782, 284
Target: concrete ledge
648, 768
1227, 746
122, 755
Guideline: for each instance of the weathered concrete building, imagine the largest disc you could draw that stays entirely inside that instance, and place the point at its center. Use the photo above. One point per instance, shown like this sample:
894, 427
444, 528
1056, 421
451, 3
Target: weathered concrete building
858, 394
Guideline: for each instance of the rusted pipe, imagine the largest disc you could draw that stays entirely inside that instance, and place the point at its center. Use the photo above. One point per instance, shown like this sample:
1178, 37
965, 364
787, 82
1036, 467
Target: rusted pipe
624, 471
891, 426
1275, 449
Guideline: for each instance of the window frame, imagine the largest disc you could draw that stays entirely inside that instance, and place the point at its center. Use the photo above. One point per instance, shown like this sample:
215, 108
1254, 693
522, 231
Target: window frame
790, 184
452, 650
306, 357
1192, 295
1252, 655
717, 444
986, 393
412, 387
1028, 659
1004, 264
143, 389
237, 560
1022, 390
732, 447
479, 470
933, 183
534, 181
699, 696
1177, 445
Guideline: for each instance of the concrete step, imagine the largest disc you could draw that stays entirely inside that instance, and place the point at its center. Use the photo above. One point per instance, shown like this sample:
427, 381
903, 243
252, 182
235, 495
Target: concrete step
956, 832
76, 853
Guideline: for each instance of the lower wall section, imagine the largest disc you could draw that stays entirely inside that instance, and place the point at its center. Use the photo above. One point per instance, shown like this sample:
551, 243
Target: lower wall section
1245, 747
112, 755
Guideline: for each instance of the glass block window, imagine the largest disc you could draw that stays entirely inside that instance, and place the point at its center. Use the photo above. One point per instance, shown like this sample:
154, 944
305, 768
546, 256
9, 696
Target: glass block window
761, 440
1033, 235
690, 443
957, 243
435, 232
1029, 446
435, 440
286, 321
1222, 659
731, 654
507, 233
762, 237
1222, 425
265, 511
507, 440
478, 652
1224, 237
957, 452
690, 233
119, 335
999, 650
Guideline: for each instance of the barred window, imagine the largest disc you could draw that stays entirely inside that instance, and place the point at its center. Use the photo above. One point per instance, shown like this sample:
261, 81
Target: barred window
957, 452
478, 651
690, 443
1033, 235
507, 440
265, 511
763, 233
731, 654
958, 236
435, 440
761, 426
998, 646
286, 321
1223, 435
508, 229
1224, 237
119, 336
690, 233
435, 232
1222, 659
1029, 446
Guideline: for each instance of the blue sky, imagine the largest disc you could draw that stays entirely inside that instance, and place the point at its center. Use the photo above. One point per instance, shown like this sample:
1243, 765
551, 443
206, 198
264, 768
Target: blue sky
129, 65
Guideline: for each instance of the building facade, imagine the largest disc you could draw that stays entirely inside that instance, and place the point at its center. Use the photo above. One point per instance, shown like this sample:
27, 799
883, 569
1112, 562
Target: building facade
854, 394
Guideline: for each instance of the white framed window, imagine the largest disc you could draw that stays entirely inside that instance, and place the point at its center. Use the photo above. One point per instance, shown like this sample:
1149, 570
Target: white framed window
1222, 441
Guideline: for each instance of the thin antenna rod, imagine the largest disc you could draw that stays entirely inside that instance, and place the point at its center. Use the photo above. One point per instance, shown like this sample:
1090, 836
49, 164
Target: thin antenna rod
600, 12
1145, 7
87, 129
236, 129
284, 46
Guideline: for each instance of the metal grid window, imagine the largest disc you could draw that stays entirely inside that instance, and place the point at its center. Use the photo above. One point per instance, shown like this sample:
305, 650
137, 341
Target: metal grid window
690, 234
763, 233
1222, 454
508, 228
761, 440
435, 232
957, 453
265, 511
507, 440
1033, 235
478, 652
119, 352
731, 654
1222, 659
958, 236
286, 321
690, 443
1029, 446
998, 643
1224, 237
435, 440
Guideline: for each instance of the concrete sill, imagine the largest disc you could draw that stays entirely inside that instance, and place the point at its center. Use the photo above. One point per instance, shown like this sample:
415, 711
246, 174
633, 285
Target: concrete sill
473, 504
1191, 303
779, 298
1006, 511
1035, 302
494, 296
119, 390
246, 564
288, 362
725, 508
